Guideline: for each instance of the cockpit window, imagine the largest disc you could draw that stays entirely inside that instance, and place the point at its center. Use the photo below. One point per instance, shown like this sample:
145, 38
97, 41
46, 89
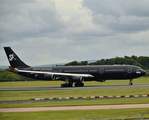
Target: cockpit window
138, 71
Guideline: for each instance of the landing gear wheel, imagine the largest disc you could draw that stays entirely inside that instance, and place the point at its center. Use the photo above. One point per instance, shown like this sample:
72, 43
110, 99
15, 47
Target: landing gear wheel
66, 85
130, 83
79, 84
69, 85
82, 84
63, 85
76, 85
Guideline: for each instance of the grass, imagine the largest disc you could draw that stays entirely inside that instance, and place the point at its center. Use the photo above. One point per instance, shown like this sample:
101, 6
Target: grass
21, 84
73, 114
79, 103
27, 95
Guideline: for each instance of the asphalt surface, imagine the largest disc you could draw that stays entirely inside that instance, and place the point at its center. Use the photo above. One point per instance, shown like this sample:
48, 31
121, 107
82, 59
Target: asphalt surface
71, 88
37, 101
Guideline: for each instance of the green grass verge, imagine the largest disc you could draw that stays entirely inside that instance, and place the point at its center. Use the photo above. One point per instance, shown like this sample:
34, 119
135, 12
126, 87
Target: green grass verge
79, 103
27, 95
20, 84
73, 114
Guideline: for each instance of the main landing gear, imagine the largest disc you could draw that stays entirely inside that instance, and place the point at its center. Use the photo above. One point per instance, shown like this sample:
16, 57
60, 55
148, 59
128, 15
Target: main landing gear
130, 83
69, 83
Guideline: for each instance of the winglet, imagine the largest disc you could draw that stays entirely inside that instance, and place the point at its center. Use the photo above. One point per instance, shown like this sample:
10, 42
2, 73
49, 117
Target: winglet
11, 68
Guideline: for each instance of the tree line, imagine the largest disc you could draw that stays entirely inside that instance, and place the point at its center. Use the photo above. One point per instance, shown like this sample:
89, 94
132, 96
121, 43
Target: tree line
141, 61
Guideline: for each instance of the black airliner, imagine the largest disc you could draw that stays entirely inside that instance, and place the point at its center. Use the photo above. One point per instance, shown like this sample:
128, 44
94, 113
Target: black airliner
73, 74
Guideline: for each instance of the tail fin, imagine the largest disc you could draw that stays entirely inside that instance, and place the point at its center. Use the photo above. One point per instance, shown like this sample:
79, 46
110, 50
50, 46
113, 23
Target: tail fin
13, 59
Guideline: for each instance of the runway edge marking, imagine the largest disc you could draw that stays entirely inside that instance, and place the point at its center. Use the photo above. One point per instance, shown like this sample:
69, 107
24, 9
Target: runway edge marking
92, 97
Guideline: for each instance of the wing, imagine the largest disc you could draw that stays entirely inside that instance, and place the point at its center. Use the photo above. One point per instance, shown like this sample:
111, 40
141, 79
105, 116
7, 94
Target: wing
53, 73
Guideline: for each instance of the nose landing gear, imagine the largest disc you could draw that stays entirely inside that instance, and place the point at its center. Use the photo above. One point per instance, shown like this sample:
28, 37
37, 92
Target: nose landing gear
130, 83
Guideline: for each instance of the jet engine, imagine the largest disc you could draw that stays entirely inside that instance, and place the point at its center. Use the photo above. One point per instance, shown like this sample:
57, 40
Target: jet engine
53, 77
78, 79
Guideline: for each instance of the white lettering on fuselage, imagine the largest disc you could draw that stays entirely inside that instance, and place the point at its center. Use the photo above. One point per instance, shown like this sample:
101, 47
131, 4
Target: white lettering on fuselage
43, 69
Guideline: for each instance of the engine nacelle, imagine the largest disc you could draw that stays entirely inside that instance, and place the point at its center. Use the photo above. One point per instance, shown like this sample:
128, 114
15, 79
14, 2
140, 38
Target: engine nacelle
52, 77
78, 79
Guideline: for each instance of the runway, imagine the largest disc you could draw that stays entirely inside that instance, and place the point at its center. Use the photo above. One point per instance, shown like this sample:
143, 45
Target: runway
75, 108
71, 88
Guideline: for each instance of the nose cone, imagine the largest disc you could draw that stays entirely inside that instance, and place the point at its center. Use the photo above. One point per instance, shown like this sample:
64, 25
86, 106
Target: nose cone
143, 72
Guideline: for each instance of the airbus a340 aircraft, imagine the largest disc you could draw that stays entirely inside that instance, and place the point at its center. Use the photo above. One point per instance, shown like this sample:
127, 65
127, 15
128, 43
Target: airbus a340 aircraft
73, 74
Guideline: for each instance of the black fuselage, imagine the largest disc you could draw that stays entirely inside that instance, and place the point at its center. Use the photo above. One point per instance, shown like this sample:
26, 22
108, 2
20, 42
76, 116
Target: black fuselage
100, 72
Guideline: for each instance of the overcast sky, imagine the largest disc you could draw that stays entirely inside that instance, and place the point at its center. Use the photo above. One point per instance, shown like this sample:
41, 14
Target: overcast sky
60, 31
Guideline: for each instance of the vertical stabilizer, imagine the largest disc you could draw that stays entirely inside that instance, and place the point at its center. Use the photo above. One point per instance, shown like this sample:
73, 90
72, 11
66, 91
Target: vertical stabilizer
13, 59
